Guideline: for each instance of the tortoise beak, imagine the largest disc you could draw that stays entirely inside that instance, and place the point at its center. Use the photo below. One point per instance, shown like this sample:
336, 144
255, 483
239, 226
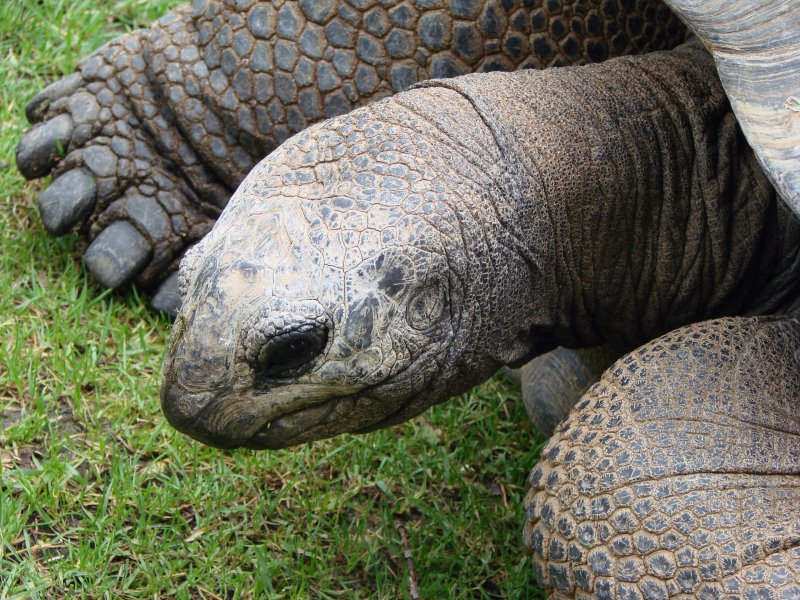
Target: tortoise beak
196, 377
185, 413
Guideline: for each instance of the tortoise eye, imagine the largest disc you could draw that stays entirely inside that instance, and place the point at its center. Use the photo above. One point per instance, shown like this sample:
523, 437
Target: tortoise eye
427, 306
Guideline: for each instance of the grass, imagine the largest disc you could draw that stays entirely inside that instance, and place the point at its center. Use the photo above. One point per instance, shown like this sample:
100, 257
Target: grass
100, 498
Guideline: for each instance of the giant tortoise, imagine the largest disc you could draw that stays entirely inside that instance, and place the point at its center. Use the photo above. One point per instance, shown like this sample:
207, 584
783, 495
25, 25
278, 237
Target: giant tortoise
159, 127
381, 261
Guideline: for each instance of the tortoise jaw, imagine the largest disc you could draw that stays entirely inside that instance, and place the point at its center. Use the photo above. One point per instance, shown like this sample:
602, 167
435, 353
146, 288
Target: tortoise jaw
288, 429
188, 413
256, 421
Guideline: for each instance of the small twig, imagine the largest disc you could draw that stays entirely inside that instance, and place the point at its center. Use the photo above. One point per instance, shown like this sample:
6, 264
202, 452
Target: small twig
412, 571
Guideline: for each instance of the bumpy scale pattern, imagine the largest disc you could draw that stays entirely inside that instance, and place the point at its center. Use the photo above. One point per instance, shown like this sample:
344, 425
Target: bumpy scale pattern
268, 70
161, 125
353, 217
677, 474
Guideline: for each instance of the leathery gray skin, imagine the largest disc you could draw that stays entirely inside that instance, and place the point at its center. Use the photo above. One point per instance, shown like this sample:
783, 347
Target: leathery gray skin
473, 223
678, 473
160, 126
380, 262
756, 47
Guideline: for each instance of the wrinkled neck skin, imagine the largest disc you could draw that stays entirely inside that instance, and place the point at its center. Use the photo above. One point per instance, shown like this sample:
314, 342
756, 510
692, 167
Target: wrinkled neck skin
634, 198
430, 238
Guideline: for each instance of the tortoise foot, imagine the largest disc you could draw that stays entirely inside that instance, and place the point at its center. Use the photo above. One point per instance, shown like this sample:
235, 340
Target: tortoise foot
125, 175
677, 473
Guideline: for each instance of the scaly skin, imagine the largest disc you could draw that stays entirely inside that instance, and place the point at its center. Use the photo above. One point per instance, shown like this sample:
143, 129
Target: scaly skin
679, 472
504, 228
553, 382
385, 260
161, 125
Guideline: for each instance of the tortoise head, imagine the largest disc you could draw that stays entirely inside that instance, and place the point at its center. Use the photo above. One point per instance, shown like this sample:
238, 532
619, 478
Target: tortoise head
331, 294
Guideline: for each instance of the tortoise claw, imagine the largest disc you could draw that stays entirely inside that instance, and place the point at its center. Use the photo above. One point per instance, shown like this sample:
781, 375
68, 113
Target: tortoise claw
42, 147
68, 201
36, 109
117, 255
167, 298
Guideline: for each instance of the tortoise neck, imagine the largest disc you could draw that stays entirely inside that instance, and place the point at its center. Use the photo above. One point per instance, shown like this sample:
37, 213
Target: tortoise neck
630, 193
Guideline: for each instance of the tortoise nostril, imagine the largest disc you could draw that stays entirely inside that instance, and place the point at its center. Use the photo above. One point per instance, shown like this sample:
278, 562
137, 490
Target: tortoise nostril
289, 350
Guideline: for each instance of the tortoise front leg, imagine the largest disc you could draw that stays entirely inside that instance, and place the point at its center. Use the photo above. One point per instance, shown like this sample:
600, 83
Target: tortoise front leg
151, 135
679, 472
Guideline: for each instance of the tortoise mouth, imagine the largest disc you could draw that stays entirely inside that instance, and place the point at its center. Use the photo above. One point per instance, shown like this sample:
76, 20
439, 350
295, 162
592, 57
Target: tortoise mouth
294, 427
215, 426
